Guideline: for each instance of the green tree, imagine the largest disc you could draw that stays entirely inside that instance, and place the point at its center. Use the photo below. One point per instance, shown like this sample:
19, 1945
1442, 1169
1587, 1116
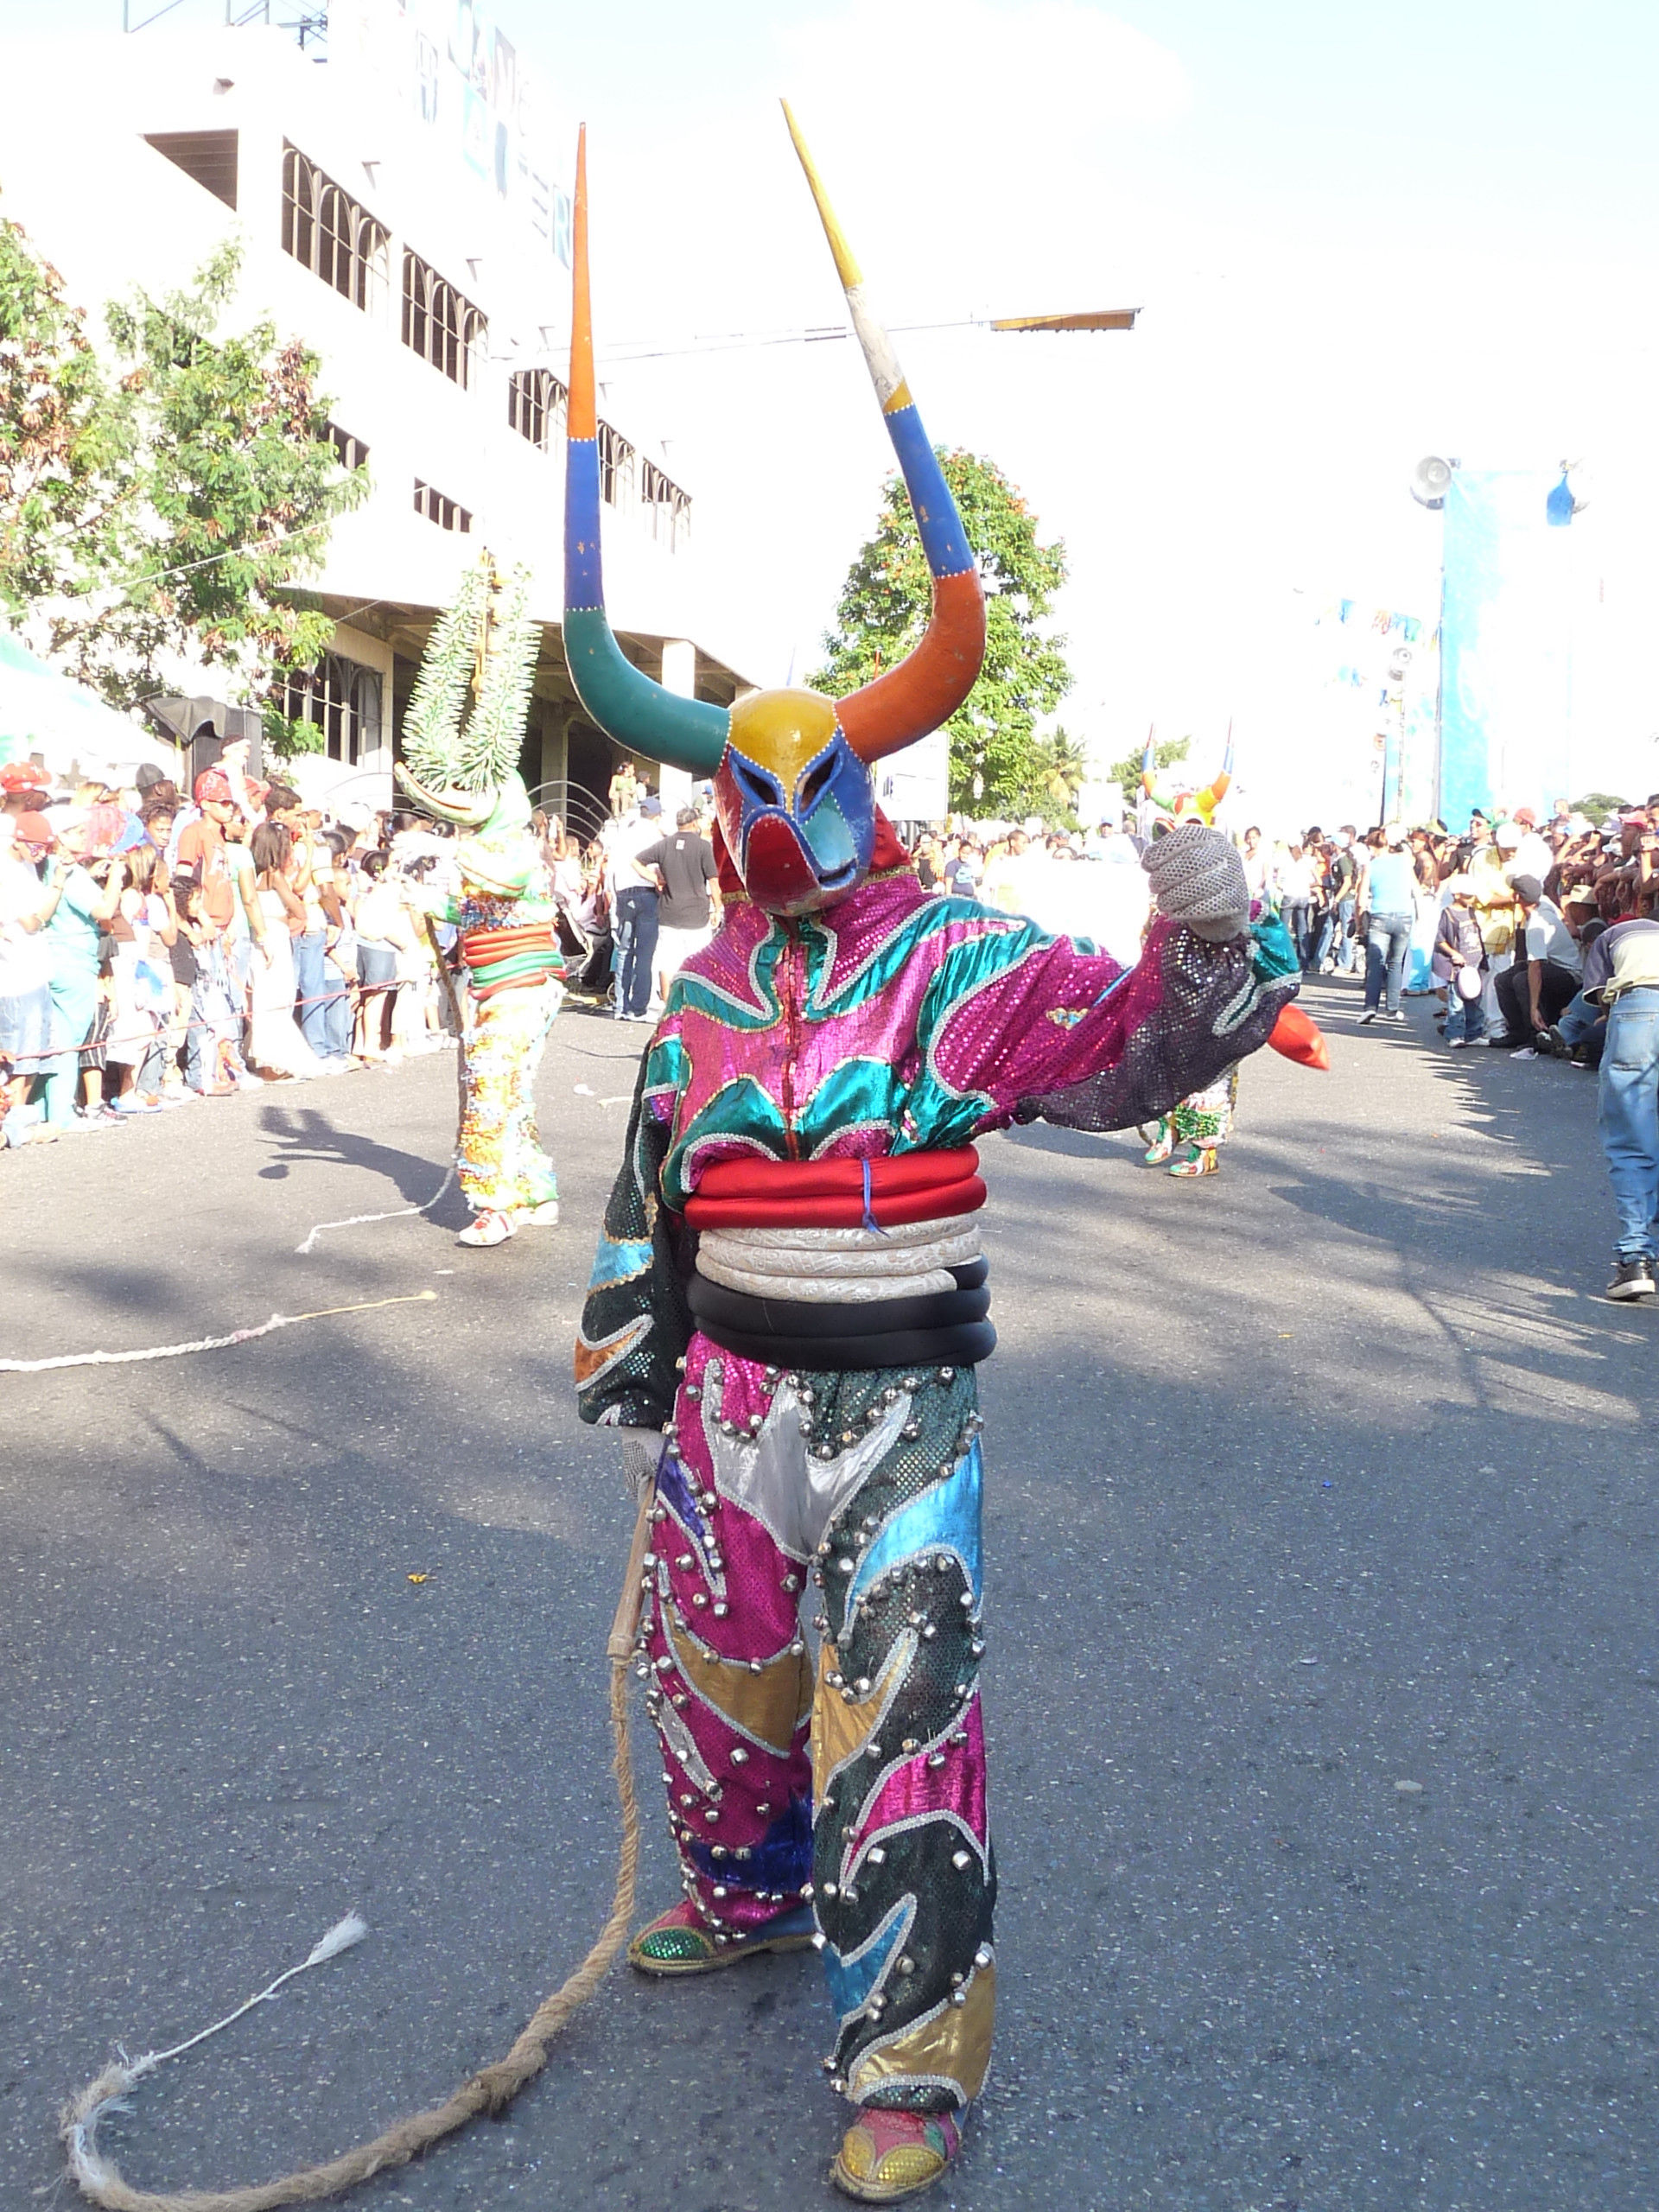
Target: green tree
1062, 767
1126, 773
161, 512
1599, 805
883, 610
65, 458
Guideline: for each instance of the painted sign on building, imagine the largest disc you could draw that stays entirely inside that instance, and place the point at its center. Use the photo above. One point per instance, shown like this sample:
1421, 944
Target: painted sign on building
448, 64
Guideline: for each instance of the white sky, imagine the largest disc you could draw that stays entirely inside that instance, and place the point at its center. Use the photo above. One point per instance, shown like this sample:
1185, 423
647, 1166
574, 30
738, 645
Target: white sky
1360, 233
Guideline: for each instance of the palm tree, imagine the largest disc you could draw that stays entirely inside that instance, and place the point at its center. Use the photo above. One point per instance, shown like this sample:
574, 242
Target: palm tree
1062, 767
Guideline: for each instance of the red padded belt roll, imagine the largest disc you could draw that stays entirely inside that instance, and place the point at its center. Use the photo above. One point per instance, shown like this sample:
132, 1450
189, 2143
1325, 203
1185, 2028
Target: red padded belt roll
481, 946
831, 1193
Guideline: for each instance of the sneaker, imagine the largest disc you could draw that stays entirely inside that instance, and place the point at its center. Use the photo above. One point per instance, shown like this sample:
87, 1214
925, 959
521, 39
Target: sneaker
1559, 1049
488, 1229
1525, 1052
1456, 1044
1632, 1278
1370, 1014
1398, 1014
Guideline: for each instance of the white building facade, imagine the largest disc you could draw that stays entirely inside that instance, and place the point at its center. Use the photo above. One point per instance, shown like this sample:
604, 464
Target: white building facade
392, 214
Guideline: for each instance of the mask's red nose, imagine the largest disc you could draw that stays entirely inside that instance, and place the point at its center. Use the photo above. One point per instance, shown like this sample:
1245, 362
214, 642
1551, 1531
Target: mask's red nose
777, 873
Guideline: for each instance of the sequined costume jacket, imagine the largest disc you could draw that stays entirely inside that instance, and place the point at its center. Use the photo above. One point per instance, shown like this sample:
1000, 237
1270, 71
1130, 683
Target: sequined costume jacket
890, 1022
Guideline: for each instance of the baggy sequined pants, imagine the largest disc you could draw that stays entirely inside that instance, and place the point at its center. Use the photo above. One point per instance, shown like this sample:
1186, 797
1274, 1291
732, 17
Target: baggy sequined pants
502, 1165
862, 1492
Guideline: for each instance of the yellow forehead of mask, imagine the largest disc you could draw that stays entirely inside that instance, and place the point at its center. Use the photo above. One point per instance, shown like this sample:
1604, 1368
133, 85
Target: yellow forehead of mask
783, 730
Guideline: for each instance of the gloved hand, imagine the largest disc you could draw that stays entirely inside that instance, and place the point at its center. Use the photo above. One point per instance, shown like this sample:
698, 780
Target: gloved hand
1197, 878
642, 1451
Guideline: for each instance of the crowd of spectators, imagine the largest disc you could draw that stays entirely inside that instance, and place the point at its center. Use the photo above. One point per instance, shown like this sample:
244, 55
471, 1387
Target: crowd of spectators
1495, 923
157, 946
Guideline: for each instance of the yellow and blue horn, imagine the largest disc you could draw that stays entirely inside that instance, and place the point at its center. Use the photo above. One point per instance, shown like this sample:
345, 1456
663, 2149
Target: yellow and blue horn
924, 689
688, 733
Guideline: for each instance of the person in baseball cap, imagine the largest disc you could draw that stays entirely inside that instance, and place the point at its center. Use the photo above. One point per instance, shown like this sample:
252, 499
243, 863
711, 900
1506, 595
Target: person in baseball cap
212, 787
36, 832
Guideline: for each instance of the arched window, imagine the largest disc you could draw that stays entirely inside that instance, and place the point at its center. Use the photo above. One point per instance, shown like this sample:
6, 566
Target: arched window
343, 698
330, 234
536, 402
440, 324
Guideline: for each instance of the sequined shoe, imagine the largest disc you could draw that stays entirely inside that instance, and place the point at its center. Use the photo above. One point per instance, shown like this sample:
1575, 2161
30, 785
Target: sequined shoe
887, 2155
1203, 1159
678, 1942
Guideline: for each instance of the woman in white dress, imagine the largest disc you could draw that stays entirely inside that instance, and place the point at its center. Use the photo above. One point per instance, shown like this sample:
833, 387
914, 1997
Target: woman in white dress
144, 928
275, 1044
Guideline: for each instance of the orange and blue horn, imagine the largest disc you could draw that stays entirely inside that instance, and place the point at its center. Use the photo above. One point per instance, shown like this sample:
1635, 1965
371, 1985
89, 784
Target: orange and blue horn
925, 689
688, 733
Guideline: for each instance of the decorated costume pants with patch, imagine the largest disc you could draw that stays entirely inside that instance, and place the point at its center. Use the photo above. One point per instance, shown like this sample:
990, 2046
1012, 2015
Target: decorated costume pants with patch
1204, 1118
500, 1160
861, 1490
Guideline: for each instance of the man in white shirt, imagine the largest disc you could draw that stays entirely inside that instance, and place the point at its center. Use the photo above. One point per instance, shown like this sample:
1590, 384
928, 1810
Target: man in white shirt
1538, 990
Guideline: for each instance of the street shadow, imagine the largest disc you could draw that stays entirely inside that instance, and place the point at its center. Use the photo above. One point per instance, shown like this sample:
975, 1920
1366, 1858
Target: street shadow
303, 1137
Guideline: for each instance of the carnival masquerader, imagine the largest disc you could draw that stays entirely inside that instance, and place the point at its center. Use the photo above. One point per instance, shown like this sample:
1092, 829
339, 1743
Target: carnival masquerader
488, 643
1196, 1127
789, 1302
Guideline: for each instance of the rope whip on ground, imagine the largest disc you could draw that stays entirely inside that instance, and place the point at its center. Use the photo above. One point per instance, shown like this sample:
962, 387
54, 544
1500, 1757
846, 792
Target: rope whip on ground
100, 2180
203, 1344
463, 1037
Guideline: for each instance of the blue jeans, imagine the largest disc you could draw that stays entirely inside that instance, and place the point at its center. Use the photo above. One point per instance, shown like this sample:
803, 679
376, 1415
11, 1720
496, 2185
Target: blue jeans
1464, 1018
1577, 1020
1386, 942
1297, 915
1628, 1117
636, 943
1337, 935
323, 1005
215, 1037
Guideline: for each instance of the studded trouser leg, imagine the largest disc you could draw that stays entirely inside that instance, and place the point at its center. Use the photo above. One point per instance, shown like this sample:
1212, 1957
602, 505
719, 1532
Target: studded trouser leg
732, 1684
873, 1480
904, 1875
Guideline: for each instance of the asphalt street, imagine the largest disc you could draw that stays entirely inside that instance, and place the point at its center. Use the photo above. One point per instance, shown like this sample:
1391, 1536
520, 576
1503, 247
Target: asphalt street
1323, 1516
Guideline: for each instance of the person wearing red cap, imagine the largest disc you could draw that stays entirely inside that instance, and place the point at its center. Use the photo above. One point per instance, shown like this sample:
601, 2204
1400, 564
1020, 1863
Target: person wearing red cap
213, 1061
26, 906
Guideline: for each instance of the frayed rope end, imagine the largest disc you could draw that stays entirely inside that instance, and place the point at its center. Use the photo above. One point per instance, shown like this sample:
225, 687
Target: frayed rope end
340, 1937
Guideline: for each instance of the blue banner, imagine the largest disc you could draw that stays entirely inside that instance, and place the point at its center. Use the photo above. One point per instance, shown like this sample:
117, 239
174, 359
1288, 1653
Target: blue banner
1506, 648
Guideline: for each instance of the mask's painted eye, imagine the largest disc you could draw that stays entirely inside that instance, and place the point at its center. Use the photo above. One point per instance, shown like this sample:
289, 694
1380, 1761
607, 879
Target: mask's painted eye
760, 786
815, 782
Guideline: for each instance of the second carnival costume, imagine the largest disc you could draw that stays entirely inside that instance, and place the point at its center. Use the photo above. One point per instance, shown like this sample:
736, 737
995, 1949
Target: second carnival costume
790, 1300
502, 906
1187, 1140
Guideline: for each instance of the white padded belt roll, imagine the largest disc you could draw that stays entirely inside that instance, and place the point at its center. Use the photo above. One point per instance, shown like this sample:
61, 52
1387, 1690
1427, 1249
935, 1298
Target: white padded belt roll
840, 1266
